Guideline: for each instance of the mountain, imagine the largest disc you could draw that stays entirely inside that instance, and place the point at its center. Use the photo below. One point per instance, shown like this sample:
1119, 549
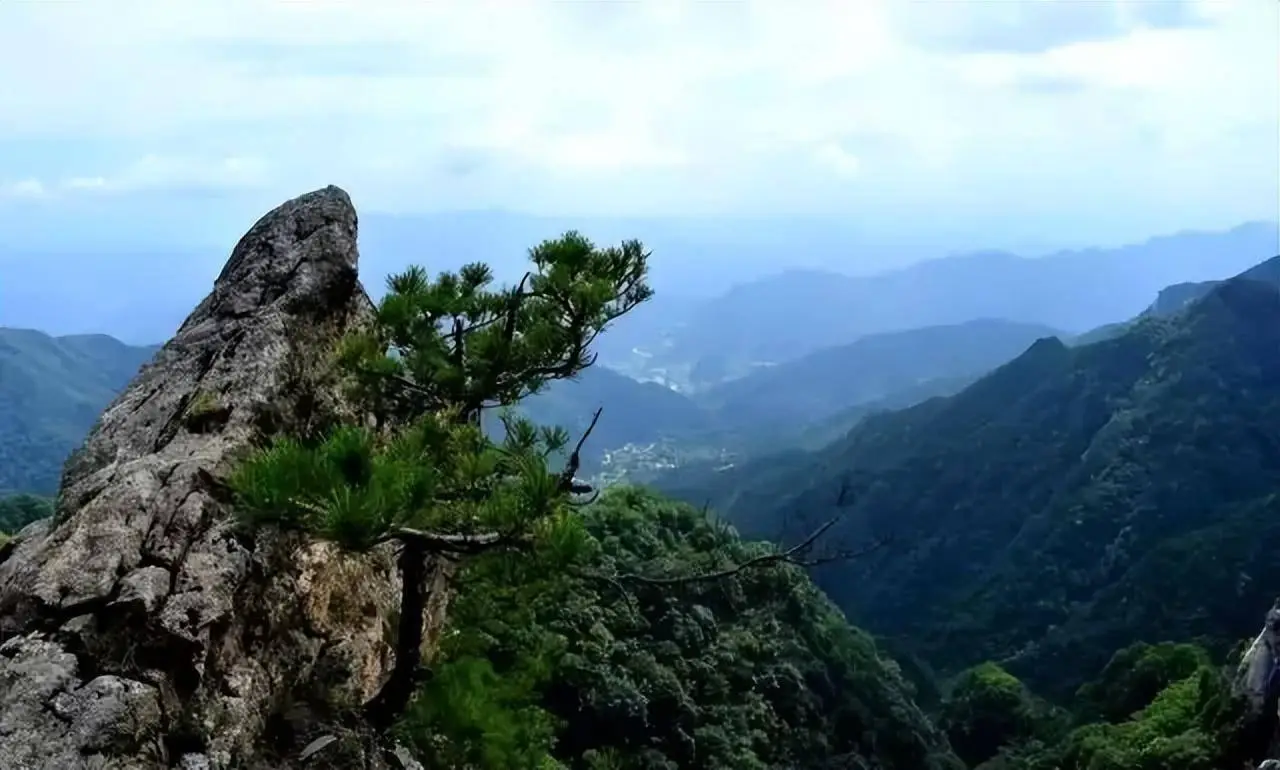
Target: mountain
878, 366
1071, 501
52, 389
633, 411
789, 315
806, 402
1173, 299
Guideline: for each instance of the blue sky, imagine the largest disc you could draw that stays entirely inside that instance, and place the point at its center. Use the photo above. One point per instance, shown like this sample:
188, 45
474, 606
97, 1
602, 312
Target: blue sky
930, 124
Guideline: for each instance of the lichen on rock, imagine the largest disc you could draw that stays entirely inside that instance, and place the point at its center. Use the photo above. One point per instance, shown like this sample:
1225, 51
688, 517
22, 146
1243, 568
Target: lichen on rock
140, 628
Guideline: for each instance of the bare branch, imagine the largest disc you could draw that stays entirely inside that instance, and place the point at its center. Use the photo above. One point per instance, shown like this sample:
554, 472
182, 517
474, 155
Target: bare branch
567, 482
799, 555
595, 495
440, 542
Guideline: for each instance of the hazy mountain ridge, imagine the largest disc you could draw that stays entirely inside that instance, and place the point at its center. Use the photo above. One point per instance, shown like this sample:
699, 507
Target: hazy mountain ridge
52, 389
799, 403
875, 367
1073, 291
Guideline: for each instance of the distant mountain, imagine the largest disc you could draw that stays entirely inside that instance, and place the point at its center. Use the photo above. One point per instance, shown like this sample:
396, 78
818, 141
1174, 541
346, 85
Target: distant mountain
876, 367
170, 251
787, 316
1071, 502
1173, 299
792, 404
795, 404
633, 412
820, 433
52, 390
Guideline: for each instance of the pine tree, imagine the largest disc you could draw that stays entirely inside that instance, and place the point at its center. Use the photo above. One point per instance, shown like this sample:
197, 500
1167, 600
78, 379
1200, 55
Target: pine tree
423, 474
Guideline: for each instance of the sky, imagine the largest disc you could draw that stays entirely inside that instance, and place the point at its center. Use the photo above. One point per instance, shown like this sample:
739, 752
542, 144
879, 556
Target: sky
935, 124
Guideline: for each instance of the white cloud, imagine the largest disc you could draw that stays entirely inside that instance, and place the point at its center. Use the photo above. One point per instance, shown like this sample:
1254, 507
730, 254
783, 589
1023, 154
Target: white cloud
842, 162
152, 173
23, 189
625, 107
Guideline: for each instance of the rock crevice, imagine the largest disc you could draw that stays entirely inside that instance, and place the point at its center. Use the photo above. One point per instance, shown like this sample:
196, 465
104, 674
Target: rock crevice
139, 628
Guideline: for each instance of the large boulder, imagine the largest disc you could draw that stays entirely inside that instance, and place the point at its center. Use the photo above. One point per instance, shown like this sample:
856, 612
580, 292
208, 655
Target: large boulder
139, 628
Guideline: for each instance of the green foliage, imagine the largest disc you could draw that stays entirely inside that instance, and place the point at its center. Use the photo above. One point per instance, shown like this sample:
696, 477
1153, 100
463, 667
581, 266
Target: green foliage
755, 670
455, 343
52, 389
1191, 725
17, 511
1191, 721
469, 715
437, 475
635, 412
442, 351
1135, 676
424, 473
986, 710
204, 411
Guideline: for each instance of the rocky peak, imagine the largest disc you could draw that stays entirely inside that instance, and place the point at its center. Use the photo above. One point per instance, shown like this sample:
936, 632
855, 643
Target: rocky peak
139, 628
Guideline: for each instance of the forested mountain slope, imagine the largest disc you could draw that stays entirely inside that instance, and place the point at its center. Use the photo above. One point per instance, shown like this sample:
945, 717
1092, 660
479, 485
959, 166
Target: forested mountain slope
876, 367
1065, 505
52, 389
755, 670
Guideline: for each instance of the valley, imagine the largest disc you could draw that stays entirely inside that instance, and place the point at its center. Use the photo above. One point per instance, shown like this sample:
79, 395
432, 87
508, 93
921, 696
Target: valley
648, 385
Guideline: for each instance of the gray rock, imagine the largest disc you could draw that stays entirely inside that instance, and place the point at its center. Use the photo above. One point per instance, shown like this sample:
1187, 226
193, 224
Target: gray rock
1259, 671
138, 623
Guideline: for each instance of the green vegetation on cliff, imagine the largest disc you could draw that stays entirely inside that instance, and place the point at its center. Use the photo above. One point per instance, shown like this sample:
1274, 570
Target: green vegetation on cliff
755, 669
17, 511
1184, 716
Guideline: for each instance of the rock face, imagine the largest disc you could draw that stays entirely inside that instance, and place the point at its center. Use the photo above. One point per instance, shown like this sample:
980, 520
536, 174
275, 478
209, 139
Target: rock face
1258, 683
139, 628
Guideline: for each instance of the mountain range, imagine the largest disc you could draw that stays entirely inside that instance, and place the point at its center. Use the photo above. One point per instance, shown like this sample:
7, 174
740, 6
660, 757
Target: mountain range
52, 389
786, 316
1071, 500
1056, 540
814, 393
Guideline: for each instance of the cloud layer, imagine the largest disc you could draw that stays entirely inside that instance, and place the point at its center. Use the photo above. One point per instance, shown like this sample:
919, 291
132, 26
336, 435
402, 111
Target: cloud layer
1058, 112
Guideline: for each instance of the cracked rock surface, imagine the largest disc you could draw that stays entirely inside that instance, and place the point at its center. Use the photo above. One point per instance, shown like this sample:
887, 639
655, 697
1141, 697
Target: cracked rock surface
138, 628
